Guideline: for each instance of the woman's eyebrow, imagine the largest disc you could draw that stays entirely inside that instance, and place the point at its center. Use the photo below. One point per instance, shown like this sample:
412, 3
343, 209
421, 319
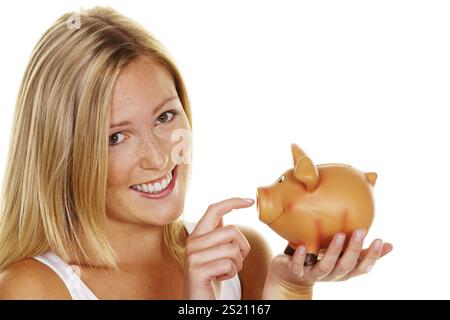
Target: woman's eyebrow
162, 104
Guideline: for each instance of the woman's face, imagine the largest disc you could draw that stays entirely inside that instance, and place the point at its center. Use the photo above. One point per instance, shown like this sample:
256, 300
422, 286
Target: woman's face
143, 151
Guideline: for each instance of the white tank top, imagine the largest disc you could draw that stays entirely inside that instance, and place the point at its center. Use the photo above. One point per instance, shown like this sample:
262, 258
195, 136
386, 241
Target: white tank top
231, 288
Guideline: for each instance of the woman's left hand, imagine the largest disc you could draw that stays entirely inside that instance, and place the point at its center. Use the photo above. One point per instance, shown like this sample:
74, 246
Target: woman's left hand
289, 271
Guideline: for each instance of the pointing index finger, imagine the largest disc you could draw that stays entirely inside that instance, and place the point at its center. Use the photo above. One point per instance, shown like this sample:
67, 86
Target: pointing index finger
215, 212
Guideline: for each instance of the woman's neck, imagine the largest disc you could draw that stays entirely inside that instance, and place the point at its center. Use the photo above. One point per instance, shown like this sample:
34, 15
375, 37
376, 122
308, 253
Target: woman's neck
137, 245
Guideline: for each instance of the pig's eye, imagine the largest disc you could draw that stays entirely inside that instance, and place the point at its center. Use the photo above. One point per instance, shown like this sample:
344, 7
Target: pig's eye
281, 179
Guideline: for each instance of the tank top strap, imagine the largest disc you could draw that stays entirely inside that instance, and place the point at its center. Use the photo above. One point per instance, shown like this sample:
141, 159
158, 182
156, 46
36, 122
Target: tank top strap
69, 275
231, 288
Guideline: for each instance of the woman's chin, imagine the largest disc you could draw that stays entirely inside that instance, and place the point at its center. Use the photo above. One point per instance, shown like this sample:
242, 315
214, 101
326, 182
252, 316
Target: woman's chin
162, 216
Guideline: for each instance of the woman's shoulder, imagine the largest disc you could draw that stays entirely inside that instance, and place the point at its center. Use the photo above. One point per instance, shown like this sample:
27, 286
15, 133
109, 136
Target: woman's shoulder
259, 258
31, 279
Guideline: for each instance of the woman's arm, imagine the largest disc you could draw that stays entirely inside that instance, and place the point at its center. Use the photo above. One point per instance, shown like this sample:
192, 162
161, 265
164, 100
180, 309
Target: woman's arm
29, 279
285, 277
213, 252
256, 265
256, 282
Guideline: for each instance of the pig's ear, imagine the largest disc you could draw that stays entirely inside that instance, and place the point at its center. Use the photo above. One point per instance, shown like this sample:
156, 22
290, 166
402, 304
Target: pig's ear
297, 153
306, 172
371, 177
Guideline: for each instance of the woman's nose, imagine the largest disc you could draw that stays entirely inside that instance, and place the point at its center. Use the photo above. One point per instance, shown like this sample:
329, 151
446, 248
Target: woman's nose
154, 156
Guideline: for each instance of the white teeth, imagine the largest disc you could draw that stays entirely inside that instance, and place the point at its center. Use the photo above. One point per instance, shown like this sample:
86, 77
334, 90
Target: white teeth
155, 187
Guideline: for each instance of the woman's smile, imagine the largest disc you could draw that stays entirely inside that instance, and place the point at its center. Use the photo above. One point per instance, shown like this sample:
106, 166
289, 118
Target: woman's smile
160, 188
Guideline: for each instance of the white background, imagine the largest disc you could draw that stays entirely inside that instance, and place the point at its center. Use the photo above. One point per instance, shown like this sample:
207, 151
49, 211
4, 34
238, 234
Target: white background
359, 82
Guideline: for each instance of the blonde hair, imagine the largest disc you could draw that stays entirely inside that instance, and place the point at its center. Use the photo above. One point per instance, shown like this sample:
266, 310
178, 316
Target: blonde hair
54, 188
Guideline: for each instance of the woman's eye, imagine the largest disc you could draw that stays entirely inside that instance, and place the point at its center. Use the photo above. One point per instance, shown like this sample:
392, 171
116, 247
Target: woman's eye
167, 116
113, 140
280, 179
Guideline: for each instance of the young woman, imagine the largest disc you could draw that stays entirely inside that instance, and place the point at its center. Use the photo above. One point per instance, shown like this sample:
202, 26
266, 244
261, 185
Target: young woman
96, 182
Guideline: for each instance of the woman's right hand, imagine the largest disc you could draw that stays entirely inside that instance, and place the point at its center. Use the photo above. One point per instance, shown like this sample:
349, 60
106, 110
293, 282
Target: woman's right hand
213, 252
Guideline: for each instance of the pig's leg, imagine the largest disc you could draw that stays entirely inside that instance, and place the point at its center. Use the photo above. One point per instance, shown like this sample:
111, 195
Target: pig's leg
310, 259
290, 249
311, 256
313, 241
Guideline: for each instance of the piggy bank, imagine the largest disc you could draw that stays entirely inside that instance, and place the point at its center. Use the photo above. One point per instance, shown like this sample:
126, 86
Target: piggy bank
309, 203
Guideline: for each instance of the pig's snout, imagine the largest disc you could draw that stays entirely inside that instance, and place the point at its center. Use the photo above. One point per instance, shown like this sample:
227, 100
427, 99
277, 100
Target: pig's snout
266, 206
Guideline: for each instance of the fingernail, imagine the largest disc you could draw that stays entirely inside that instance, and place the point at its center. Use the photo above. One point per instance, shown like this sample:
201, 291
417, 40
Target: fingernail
369, 268
359, 233
378, 245
247, 200
340, 238
301, 250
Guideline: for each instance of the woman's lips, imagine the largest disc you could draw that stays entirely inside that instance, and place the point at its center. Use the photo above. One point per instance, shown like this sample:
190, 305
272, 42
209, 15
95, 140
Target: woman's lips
165, 192
156, 180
